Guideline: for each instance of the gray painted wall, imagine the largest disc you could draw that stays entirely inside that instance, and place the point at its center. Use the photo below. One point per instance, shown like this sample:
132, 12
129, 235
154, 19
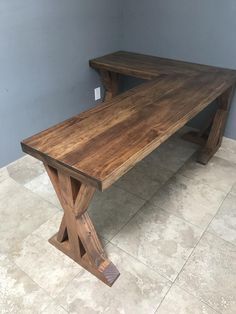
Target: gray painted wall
44, 51
201, 31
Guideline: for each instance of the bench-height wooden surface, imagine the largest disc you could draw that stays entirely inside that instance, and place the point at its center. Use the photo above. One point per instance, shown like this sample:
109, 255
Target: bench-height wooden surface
145, 67
150, 67
112, 66
104, 143
94, 149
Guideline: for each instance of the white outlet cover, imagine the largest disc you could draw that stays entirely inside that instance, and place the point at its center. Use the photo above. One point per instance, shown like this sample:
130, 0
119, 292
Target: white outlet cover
97, 93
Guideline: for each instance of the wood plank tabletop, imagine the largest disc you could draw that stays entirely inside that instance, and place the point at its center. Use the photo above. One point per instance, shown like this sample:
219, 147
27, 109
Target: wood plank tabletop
150, 67
105, 142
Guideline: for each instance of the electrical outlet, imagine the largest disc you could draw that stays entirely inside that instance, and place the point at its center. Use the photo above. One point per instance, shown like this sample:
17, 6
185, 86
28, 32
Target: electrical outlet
97, 93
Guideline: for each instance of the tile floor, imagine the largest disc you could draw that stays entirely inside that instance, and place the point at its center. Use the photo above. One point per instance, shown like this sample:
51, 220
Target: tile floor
173, 239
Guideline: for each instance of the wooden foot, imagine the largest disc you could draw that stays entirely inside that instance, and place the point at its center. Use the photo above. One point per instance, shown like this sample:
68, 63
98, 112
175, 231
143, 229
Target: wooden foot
210, 137
77, 237
110, 82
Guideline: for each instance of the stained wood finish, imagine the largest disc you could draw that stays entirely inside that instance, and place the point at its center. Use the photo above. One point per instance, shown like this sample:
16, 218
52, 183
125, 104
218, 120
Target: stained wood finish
110, 82
105, 142
150, 67
211, 135
77, 237
94, 149
212, 141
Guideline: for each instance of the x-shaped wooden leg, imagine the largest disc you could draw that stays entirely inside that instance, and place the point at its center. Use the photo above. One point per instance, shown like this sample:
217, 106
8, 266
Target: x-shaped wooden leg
210, 137
77, 237
110, 82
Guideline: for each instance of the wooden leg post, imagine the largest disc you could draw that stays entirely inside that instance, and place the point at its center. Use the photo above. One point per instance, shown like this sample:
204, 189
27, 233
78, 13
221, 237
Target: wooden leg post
210, 137
110, 82
77, 237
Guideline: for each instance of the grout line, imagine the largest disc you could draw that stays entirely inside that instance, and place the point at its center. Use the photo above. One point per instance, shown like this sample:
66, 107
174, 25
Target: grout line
141, 262
57, 304
145, 203
231, 191
35, 193
201, 237
197, 298
44, 199
135, 214
192, 158
69, 282
204, 232
53, 298
175, 281
27, 275
155, 271
163, 299
219, 237
226, 194
219, 208
140, 210
204, 183
183, 219
11, 258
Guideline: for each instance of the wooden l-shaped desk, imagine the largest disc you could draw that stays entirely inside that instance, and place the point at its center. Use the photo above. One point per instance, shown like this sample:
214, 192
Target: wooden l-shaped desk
95, 148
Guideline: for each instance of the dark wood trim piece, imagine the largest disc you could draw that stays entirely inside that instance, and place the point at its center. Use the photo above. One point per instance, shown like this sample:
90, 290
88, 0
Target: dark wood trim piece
110, 81
215, 137
77, 236
150, 67
210, 137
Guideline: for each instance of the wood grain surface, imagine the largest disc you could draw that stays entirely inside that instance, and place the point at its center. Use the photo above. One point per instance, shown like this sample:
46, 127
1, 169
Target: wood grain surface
150, 67
95, 148
103, 143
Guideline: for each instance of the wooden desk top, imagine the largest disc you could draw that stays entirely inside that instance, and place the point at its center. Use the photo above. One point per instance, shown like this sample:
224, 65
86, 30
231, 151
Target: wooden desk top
150, 67
103, 143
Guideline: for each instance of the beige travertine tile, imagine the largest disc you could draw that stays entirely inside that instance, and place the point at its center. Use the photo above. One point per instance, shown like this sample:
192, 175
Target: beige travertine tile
112, 209
42, 186
218, 173
153, 171
48, 267
233, 189
137, 182
149, 167
137, 290
109, 210
21, 212
173, 153
158, 239
210, 274
180, 302
18, 293
224, 224
227, 150
25, 169
3, 174
54, 309
50, 227
189, 199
